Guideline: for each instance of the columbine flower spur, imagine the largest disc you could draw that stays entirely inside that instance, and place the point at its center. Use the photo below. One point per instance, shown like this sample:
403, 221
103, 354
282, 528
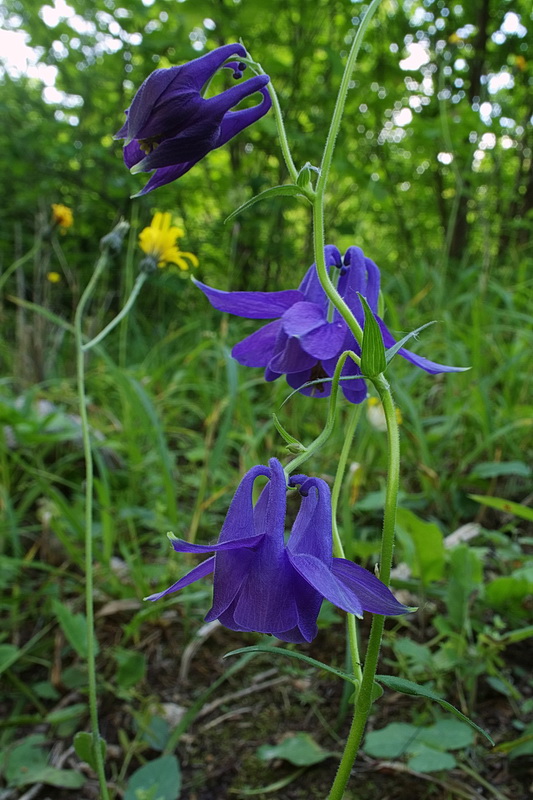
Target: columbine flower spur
262, 584
304, 341
170, 126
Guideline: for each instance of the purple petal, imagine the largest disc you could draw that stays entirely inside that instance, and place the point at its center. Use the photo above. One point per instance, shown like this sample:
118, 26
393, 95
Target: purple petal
165, 175
311, 532
253, 305
235, 121
319, 338
289, 356
258, 348
192, 144
203, 569
220, 104
362, 276
298, 379
325, 342
372, 593
197, 72
311, 286
321, 578
419, 361
239, 522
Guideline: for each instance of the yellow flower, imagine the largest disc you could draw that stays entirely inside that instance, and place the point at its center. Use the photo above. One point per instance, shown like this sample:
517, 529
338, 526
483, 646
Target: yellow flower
62, 216
521, 63
159, 242
454, 38
53, 277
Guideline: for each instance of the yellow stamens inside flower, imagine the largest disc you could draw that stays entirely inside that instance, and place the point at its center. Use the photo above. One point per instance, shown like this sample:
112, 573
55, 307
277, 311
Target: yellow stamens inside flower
147, 145
159, 241
62, 215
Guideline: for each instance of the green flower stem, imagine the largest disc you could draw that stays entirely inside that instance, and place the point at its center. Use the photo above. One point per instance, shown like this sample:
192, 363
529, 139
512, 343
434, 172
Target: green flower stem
89, 606
330, 421
141, 278
284, 142
338, 549
18, 263
364, 697
341, 97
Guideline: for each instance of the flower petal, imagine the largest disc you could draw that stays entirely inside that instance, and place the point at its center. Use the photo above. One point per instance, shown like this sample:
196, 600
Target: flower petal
235, 121
192, 144
321, 578
258, 348
253, 305
200, 571
220, 104
197, 72
372, 593
289, 356
312, 529
182, 546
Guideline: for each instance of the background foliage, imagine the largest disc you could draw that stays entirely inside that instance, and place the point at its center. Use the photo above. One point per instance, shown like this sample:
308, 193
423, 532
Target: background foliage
432, 178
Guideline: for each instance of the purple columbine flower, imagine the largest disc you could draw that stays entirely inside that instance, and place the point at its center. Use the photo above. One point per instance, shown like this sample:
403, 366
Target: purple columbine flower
307, 337
170, 126
265, 585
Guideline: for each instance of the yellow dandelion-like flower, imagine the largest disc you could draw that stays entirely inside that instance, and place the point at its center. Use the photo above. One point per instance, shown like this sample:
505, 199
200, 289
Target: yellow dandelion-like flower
159, 242
62, 216
521, 63
53, 277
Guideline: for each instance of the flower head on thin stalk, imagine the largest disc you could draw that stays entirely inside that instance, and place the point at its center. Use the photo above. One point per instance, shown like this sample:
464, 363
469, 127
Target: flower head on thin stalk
159, 242
170, 126
307, 336
53, 277
62, 216
265, 585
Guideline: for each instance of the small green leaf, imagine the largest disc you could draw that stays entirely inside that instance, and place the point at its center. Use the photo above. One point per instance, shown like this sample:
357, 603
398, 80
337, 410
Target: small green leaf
519, 510
427, 759
373, 361
74, 626
8, 655
408, 687
131, 667
157, 780
392, 741
495, 469
286, 190
83, 745
259, 648
300, 750
423, 544
74, 711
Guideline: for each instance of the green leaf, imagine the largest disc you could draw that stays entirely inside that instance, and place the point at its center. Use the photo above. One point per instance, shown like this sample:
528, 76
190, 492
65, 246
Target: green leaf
495, 469
83, 745
259, 648
427, 759
447, 734
26, 764
157, 780
373, 361
392, 741
74, 711
8, 655
74, 626
131, 667
300, 750
286, 190
424, 547
408, 687
519, 510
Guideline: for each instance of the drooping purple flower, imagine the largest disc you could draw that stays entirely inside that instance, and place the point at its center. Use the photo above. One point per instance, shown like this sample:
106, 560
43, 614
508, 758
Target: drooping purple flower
170, 126
307, 337
265, 585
